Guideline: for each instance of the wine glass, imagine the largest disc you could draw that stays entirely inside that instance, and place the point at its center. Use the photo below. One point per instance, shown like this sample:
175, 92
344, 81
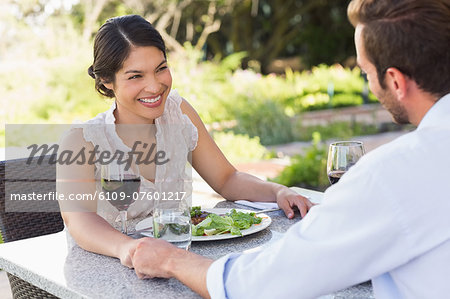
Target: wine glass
341, 156
120, 186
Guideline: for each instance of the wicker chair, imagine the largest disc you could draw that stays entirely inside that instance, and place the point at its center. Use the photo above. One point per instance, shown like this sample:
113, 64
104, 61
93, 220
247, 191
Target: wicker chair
29, 218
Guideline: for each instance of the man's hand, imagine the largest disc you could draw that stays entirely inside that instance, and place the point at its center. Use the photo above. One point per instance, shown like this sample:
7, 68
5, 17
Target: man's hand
288, 199
152, 256
125, 250
158, 258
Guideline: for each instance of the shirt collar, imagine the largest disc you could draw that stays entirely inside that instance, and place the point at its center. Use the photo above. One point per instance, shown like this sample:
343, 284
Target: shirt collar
110, 118
438, 114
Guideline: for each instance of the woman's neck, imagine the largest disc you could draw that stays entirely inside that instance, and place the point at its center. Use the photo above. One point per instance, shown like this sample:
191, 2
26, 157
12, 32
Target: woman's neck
123, 117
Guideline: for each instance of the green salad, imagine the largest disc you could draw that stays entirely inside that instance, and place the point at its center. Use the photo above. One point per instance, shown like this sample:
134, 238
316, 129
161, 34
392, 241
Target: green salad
232, 222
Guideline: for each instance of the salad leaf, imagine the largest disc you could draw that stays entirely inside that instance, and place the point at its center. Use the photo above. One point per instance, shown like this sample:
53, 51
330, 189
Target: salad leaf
179, 229
232, 223
199, 229
196, 211
244, 220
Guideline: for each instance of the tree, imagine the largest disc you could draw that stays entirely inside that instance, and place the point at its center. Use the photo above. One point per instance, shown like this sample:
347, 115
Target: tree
317, 30
179, 21
92, 10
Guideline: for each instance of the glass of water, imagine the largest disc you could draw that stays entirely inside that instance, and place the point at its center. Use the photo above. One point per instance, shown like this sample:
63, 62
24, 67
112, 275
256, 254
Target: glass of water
172, 222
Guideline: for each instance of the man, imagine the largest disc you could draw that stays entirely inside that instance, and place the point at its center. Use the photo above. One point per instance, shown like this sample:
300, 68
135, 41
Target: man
388, 219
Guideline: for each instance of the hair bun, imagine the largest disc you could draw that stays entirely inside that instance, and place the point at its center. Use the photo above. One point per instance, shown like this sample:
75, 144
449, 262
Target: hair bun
91, 71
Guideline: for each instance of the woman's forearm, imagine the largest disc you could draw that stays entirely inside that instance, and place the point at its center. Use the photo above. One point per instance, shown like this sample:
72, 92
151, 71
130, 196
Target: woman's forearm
240, 185
245, 186
93, 233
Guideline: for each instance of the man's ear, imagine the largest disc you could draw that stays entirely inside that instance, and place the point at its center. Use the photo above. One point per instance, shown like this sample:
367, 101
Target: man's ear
397, 81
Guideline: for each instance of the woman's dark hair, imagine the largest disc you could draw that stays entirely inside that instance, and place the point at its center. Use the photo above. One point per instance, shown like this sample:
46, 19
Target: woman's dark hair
113, 44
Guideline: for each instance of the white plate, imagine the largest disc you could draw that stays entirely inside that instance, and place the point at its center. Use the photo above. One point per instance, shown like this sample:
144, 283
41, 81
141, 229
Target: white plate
265, 222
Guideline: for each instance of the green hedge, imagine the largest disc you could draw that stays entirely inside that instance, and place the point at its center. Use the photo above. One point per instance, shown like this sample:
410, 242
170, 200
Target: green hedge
263, 105
240, 148
307, 170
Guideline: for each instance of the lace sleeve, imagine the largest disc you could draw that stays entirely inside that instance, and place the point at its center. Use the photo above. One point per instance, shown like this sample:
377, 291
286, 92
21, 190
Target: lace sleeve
175, 115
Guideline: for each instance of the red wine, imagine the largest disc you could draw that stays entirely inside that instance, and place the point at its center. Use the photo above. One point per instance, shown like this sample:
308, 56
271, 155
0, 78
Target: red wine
334, 176
121, 194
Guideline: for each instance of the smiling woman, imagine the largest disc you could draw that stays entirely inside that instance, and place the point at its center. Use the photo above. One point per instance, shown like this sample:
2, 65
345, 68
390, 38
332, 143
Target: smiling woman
113, 44
130, 66
144, 81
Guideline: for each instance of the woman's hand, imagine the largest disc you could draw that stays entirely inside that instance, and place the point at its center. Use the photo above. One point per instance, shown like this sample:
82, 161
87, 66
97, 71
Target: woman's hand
126, 251
288, 199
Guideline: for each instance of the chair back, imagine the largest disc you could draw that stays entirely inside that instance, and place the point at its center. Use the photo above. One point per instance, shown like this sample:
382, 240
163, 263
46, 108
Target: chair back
33, 217
29, 218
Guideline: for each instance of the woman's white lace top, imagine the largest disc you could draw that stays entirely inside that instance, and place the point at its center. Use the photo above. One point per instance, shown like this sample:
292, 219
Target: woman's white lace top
176, 135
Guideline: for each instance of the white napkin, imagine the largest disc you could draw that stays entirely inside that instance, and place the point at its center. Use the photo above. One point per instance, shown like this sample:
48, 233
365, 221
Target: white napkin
257, 204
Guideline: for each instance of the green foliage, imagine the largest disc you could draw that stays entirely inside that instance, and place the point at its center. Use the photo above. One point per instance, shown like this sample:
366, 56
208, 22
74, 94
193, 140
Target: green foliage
308, 169
209, 82
317, 31
70, 95
23, 135
265, 119
52, 86
337, 130
326, 35
239, 148
2, 137
205, 84
262, 105
233, 61
49, 90
324, 87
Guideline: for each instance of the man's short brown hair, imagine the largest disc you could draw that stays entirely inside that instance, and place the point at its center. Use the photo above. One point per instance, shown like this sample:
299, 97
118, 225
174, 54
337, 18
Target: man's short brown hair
410, 35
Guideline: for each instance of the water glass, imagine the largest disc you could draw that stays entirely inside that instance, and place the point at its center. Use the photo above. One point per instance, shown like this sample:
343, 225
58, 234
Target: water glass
172, 222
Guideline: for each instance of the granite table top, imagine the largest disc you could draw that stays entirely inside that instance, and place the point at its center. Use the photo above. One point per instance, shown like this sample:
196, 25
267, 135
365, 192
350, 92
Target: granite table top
71, 272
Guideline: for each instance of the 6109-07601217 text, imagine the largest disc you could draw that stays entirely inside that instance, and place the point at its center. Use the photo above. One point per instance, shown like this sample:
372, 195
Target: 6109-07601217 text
54, 195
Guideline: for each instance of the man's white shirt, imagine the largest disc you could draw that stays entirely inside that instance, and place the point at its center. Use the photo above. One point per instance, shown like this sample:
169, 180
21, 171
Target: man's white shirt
387, 220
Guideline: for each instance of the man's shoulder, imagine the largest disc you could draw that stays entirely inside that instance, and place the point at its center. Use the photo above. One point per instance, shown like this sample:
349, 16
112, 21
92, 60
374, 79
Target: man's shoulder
394, 148
391, 158
412, 149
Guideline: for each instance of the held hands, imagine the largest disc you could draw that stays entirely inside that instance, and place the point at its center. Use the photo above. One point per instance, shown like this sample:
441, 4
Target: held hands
147, 256
156, 258
150, 257
125, 252
288, 199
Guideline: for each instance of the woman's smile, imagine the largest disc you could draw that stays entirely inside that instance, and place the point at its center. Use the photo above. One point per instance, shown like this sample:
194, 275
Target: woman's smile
151, 102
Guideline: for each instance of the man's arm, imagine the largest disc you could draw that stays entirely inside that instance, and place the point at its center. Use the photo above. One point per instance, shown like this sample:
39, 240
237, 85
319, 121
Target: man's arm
158, 258
357, 223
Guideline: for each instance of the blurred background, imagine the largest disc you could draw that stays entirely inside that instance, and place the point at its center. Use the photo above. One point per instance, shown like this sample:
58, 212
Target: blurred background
261, 73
